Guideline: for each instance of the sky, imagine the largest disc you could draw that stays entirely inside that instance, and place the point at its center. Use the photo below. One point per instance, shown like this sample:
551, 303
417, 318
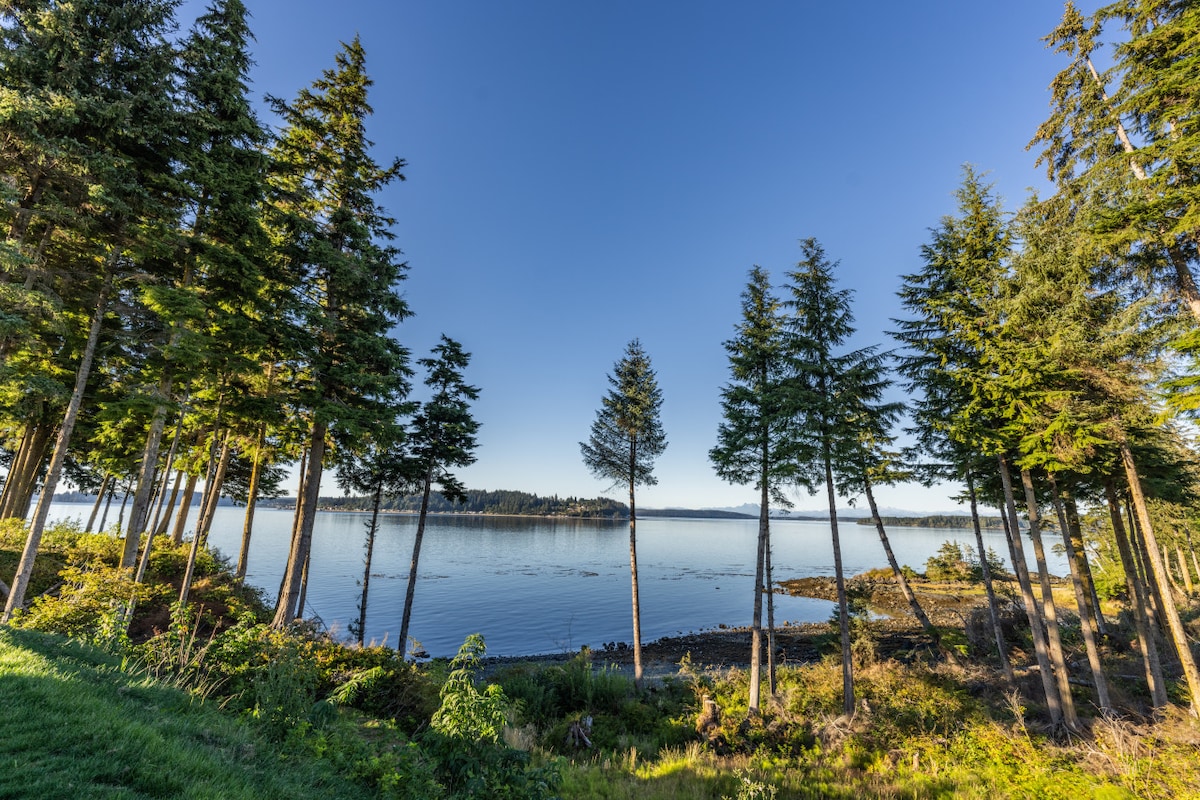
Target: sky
580, 174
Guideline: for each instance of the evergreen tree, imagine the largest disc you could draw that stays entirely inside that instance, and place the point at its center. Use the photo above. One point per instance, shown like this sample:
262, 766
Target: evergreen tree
626, 438
756, 441
333, 247
116, 134
442, 437
835, 391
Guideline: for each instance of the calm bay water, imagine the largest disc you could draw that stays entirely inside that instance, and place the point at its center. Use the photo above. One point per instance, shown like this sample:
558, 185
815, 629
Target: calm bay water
533, 585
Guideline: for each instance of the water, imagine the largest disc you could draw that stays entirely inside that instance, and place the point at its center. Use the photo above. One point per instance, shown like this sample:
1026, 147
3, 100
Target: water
534, 585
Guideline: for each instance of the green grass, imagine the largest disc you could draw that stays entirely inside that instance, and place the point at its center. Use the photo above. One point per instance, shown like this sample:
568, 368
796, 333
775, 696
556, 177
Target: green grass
73, 725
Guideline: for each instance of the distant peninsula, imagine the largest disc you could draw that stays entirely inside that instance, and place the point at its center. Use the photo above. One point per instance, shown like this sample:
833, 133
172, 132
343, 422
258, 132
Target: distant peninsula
510, 503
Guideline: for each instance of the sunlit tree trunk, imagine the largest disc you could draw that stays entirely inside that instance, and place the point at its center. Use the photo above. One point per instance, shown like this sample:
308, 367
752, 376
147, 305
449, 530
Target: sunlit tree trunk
99, 502
1143, 617
1170, 612
16, 597
185, 508
1049, 610
989, 589
1037, 632
1087, 620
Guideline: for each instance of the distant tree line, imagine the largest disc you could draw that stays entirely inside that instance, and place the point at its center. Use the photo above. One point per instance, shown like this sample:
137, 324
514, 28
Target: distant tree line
936, 521
483, 502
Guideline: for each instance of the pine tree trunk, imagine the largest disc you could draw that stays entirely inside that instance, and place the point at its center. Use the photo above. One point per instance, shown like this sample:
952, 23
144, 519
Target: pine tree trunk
185, 508
764, 526
769, 588
989, 589
848, 703
412, 568
121, 514
1089, 582
251, 503
99, 501
302, 542
213, 490
1183, 570
112, 488
1087, 620
633, 572
162, 494
366, 581
1178, 634
1049, 610
16, 597
1040, 648
14, 469
145, 480
1143, 617
902, 581
22, 478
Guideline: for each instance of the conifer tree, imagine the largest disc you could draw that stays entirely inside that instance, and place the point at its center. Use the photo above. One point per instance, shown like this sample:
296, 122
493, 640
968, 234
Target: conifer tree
626, 438
756, 441
333, 250
112, 63
954, 314
834, 390
442, 437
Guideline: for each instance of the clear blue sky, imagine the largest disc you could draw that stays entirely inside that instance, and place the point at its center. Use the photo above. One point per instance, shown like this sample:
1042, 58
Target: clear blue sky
583, 173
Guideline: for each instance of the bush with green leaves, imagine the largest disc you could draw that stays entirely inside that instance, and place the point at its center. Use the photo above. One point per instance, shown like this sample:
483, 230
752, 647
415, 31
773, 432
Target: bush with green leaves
464, 738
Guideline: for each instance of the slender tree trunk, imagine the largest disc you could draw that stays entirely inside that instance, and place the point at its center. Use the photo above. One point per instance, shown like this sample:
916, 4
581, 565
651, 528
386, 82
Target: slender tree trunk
112, 489
989, 589
1049, 610
121, 513
1089, 582
297, 515
1143, 617
366, 581
14, 470
848, 703
769, 587
1087, 620
1038, 633
213, 491
1183, 570
412, 568
185, 508
298, 612
902, 581
1178, 634
145, 480
633, 572
162, 494
16, 597
152, 531
302, 542
21, 483
764, 527
99, 501
251, 503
